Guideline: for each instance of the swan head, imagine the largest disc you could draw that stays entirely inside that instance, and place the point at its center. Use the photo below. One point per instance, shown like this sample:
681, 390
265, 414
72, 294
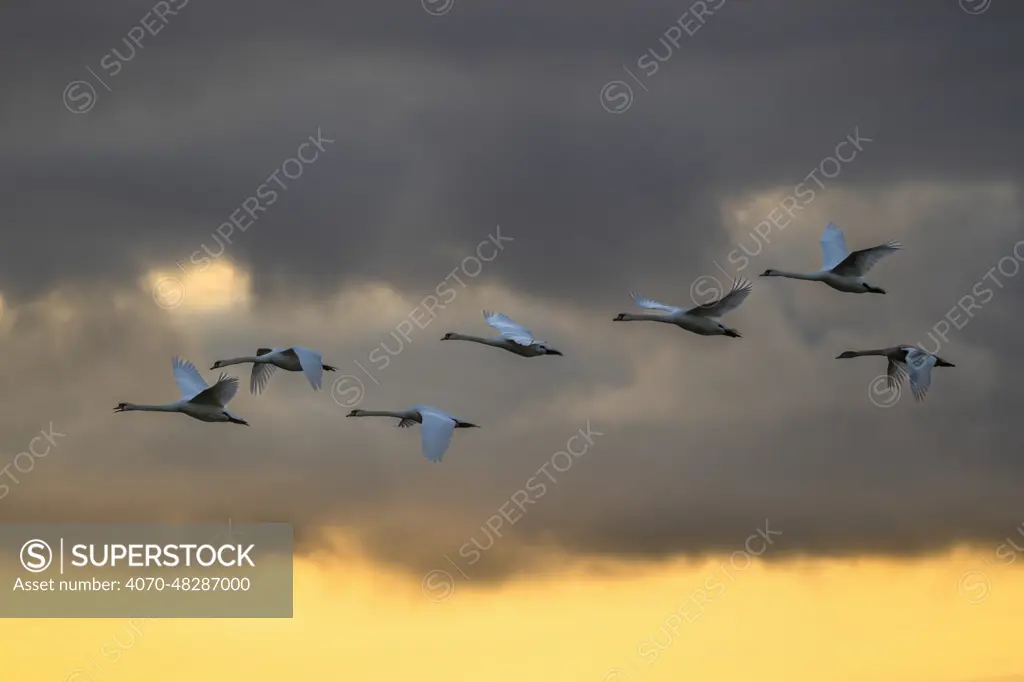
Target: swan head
872, 290
217, 365
770, 273
448, 337
846, 354
355, 413
731, 333
121, 407
551, 351
939, 362
620, 318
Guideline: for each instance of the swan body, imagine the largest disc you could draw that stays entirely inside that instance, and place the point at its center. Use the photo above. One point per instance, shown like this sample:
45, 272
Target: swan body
293, 359
198, 400
841, 269
896, 367
514, 337
701, 319
436, 429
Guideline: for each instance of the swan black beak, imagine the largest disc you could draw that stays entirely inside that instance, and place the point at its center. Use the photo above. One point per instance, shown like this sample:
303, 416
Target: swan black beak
466, 425
619, 318
732, 334
119, 408
351, 414
943, 363
552, 351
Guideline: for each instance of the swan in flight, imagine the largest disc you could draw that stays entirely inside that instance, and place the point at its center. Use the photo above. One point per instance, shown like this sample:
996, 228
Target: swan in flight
198, 400
294, 359
896, 367
842, 270
700, 319
514, 338
437, 426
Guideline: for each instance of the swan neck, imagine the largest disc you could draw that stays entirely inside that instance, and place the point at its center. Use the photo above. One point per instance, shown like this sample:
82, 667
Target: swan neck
384, 413
239, 361
130, 407
476, 339
814, 277
638, 317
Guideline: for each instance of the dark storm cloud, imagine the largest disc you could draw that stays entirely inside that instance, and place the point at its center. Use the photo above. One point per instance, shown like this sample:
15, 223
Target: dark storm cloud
487, 115
444, 128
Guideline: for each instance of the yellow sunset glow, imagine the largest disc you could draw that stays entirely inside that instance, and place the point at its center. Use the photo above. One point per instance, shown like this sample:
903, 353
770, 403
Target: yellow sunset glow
798, 621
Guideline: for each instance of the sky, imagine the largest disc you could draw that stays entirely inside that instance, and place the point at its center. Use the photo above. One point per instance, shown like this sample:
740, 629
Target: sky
205, 179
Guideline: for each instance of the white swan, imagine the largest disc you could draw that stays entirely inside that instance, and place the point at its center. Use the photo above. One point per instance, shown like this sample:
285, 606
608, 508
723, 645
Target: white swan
699, 320
515, 338
896, 367
199, 401
919, 364
842, 270
437, 426
293, 359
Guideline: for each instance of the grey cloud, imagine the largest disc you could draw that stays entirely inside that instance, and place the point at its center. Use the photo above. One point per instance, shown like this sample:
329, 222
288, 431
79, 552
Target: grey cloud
447, 127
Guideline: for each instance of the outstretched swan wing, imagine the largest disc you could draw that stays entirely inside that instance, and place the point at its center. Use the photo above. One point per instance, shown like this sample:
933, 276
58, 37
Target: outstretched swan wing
509, 328
312, 365
651, 304
260, 375
190, 381
740, 290
833, 246
895, 373
858, 263
920, 367
437, 429
261, 372
220, 394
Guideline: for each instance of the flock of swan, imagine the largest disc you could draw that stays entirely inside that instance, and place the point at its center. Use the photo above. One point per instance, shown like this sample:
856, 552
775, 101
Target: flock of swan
842, 270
